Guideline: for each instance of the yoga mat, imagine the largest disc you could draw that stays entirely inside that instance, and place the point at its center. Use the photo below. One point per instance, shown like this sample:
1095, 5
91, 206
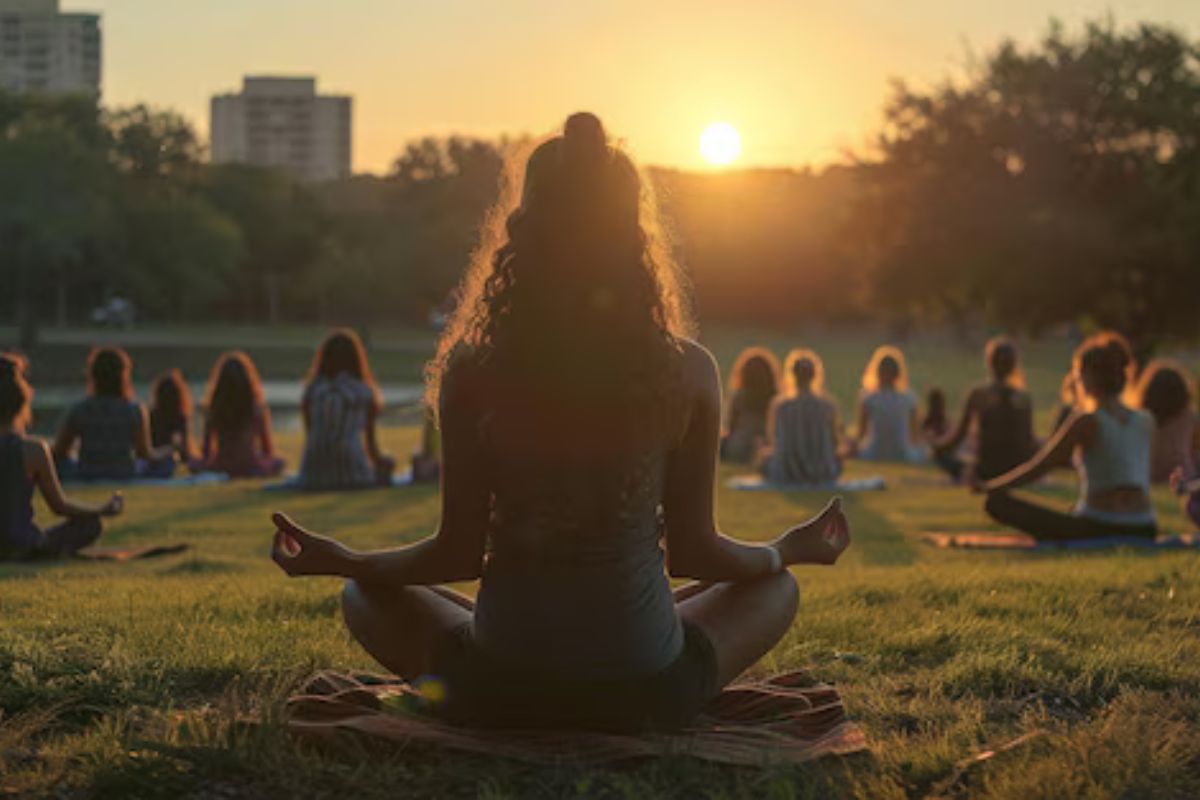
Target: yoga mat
129, 553
755, 483
993, 540
786, 720
178, 482
292, 484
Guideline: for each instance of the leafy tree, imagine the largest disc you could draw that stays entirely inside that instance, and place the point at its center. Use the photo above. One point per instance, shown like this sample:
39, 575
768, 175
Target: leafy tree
1056, 184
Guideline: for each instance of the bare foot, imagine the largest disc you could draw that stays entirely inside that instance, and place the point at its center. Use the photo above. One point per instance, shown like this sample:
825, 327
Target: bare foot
821, 540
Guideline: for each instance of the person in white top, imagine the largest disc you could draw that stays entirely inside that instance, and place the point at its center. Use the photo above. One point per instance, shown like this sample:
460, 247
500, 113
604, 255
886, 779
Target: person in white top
1110, 446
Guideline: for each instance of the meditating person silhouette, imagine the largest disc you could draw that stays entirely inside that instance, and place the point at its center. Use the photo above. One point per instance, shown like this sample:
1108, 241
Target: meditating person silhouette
573, 409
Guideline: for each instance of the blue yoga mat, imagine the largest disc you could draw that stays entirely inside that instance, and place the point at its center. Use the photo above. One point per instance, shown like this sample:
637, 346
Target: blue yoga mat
755, 483
291, 483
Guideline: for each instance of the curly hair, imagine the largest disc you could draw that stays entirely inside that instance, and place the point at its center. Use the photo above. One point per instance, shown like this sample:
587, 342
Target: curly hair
1164, 390
572, 296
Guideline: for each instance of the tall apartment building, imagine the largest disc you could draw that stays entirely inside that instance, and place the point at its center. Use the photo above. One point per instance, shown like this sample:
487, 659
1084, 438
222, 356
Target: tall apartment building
43, 50
283, 122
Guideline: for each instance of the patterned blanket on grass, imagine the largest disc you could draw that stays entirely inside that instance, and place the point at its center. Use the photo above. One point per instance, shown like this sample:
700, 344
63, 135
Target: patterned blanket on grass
992, 540
789, 719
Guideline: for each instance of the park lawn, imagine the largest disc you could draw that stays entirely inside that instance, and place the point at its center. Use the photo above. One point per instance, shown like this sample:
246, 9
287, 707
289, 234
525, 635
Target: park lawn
135, 680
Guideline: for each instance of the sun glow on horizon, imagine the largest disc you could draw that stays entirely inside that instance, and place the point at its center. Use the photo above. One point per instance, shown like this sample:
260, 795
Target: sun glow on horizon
720, 144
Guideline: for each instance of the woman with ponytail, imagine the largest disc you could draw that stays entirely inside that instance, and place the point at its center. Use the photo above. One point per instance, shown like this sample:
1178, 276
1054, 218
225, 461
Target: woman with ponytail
573, 408
1109, 442
999, 414
26, 464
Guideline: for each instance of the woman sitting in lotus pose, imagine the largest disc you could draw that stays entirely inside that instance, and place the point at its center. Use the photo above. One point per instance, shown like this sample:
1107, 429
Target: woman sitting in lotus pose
572, 408
26, 465
1109, 442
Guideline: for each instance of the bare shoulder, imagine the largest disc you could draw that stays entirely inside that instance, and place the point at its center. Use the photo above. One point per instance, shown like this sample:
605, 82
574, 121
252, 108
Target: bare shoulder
35, 452
700, 371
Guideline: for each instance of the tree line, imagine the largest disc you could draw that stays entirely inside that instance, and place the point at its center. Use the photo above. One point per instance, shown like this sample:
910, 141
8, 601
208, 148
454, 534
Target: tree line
1052, 184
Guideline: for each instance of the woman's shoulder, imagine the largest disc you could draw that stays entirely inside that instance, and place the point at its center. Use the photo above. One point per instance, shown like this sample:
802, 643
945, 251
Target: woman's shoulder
698, 365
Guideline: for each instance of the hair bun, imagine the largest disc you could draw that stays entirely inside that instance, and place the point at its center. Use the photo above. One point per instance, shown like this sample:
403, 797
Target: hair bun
583, 132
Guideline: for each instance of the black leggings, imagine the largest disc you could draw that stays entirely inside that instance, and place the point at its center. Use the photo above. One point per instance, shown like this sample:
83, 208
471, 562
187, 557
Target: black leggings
1046, 523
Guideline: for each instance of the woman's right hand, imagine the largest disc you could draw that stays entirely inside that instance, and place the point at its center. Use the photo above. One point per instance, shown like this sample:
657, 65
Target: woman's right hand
821, 540
114, 506
301, 552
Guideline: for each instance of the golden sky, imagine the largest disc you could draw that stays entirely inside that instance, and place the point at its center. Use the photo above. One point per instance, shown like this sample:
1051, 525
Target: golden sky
801, 81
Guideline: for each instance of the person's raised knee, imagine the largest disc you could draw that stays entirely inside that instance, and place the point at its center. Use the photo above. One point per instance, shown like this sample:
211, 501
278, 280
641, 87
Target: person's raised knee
788, 590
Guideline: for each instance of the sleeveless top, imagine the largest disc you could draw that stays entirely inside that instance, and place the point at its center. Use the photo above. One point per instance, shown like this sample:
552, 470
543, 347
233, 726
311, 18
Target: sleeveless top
747, 430
1119, 456
106, 428
237, 449
1005, 430
573, 580
890, 413
1171, 448
17, 531
804, 451
335, 451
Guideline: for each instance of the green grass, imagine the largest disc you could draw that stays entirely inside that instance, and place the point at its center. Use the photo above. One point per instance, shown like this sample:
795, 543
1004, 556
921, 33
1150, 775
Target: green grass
137, 680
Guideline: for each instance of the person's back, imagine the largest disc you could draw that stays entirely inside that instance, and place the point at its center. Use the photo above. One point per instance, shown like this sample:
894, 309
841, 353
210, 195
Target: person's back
1119, 456
335, 454
890, 414
577, 522
1173, 447
1005, 430
804, 449
106, 427
17, 530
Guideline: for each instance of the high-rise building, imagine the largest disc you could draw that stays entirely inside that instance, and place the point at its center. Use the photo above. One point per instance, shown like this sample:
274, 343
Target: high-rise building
283, 122
43, 50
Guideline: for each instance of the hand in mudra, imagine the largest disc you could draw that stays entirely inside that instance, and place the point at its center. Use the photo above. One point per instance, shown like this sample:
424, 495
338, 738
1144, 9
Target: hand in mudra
301, 552
821, 540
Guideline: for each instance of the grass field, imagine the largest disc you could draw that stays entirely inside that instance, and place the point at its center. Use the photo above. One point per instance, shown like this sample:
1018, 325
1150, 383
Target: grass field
135, 680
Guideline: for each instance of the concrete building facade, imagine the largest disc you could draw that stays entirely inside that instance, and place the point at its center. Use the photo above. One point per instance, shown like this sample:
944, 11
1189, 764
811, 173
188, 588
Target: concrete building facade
283, 122
45, 51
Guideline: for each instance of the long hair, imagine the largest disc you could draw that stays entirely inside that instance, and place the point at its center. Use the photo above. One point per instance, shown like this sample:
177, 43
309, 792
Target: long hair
1107, 360
1164, 390
885, 358
803, 366
16, 395
571, 301
1004, 362
110, 373
171, 399
234, 392
755, 378
342, 351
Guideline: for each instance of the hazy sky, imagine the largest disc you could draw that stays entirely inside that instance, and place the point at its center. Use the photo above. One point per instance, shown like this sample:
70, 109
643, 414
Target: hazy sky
800, 80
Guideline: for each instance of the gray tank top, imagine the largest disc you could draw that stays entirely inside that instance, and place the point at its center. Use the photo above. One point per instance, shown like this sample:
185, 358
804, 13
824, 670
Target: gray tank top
574, 582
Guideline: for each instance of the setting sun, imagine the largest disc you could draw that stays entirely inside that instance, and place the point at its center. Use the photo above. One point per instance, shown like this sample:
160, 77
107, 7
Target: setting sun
720, 144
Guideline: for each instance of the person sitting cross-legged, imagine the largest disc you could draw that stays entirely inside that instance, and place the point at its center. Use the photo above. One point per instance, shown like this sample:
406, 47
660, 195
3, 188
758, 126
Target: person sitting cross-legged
1110, 443
573, 408
26, 464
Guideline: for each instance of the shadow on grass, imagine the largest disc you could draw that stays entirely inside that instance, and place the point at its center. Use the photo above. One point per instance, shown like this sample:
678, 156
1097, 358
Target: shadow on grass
876, 540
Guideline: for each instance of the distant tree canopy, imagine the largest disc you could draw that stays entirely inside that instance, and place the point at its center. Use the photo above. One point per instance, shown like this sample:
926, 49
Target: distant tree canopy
1059, 184
1053, 184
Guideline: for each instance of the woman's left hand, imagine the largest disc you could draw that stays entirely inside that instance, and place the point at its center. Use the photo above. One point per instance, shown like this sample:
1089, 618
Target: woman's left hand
301, 552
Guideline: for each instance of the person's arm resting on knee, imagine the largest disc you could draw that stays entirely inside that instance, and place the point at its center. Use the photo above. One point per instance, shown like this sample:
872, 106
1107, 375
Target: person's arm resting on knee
454, 553
695, 548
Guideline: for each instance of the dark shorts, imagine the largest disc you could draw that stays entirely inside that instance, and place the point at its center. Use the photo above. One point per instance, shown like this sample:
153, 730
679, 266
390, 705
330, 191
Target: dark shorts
483, 693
